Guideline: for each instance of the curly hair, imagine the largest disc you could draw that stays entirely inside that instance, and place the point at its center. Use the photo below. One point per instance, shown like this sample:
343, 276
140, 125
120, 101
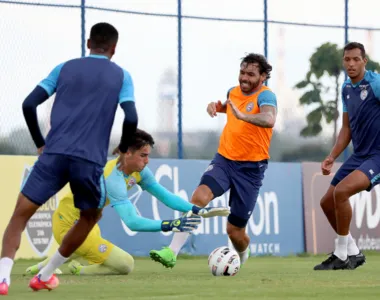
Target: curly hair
253, 58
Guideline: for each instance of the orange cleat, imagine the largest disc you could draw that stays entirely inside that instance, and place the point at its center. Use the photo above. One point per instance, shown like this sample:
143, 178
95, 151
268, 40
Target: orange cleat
37, 284
4, 288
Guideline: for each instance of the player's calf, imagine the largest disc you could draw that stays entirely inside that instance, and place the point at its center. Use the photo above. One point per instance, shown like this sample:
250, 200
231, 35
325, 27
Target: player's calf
120, 261
239, 238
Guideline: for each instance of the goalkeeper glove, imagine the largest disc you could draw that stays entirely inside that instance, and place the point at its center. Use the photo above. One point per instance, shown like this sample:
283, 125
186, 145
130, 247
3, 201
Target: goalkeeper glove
187, 223
208, 212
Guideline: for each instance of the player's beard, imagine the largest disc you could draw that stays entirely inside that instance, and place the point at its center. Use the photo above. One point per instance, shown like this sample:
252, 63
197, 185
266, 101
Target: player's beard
252, 86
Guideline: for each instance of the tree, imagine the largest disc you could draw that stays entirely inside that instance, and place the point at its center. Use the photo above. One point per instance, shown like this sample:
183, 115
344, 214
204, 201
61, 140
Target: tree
326, 60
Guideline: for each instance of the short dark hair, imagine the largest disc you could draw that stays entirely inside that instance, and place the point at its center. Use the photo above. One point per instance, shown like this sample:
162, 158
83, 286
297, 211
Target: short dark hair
103, 36
259, 59
355, 45
140, 139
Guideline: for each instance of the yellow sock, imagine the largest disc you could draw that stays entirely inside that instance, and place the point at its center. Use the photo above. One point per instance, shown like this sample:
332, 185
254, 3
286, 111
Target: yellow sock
118, 262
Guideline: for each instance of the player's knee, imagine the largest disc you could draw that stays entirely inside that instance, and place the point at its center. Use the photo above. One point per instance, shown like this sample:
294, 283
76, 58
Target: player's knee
202, 196
341, 193
327, 202
126, 265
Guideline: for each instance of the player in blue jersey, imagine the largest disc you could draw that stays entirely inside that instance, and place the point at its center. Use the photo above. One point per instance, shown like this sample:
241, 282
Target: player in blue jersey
361, 125
100, 255
88, 91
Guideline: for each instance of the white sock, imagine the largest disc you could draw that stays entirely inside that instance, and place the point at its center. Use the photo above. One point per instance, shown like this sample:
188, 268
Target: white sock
243, 255
6, 265
179, 239
341, 247
41, 265
352, 248
56, 261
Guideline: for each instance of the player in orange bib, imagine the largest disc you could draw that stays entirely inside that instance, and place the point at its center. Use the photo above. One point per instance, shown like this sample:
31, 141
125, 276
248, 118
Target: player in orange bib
242, 156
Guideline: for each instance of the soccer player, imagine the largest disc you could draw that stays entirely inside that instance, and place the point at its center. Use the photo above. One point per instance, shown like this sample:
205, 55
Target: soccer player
242, 157
88, 91
104, 257
361, 123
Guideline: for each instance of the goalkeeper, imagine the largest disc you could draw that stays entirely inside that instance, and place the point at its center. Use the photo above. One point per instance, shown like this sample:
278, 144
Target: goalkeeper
101, 257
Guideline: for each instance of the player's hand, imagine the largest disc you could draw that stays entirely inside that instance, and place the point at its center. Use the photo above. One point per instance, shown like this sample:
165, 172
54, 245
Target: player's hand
214, 107
187, 223
209, 212
40, 150
237, 113
327, 165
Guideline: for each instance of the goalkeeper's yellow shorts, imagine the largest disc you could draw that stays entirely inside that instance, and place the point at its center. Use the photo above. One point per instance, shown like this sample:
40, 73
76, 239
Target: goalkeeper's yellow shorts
94, 249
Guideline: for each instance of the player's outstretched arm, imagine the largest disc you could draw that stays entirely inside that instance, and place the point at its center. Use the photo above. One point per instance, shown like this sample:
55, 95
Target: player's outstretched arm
177, 203
134, 222
168, 198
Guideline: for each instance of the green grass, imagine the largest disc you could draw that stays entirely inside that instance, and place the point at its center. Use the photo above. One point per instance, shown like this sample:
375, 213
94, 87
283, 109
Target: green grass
261, 278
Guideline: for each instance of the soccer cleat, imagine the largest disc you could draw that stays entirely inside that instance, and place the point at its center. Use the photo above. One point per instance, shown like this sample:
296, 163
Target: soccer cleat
4, 288
165, 256
33, 270
333, 263
37, 284
356, 260
75, 267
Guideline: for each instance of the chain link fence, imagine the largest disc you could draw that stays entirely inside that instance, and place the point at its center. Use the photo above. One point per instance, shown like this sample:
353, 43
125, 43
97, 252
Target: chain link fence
181, 55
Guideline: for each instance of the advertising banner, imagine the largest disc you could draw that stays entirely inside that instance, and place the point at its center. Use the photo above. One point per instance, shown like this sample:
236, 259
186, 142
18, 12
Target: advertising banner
320, 237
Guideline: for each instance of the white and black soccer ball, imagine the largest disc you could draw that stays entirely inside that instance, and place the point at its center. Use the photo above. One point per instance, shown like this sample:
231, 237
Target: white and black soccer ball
224, 261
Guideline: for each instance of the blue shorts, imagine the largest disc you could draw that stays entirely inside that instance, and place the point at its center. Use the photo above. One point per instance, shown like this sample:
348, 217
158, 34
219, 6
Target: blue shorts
52, 172
370, 166
244, 180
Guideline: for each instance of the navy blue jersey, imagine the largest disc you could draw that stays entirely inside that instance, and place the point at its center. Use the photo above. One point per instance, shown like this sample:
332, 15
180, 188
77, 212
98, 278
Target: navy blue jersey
362, 103
88, 91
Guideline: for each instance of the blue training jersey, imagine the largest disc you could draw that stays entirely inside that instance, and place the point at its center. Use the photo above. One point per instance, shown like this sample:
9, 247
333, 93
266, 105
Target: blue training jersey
362, 103
88, 91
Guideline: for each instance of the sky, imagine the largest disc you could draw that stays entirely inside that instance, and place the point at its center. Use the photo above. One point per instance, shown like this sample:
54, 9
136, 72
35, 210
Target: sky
36, 39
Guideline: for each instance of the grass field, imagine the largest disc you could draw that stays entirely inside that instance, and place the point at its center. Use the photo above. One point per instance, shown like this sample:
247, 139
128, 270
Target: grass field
261, 278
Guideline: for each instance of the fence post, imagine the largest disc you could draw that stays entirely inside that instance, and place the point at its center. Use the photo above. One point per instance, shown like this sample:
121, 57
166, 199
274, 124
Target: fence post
83, 28
266, 32
266, 28
179, 83
346, 153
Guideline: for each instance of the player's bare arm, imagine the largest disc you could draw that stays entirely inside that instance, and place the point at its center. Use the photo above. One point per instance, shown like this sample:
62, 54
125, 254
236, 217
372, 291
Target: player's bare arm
344, 137
342, 142
266, 118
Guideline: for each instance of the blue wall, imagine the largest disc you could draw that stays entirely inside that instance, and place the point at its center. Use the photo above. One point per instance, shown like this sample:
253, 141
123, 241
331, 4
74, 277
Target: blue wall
276, 226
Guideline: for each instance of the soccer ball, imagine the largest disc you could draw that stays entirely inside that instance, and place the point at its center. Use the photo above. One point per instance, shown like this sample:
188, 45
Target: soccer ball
224, 261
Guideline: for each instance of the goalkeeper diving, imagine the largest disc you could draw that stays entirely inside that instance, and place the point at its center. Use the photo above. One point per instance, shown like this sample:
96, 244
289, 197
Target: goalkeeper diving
98, 256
